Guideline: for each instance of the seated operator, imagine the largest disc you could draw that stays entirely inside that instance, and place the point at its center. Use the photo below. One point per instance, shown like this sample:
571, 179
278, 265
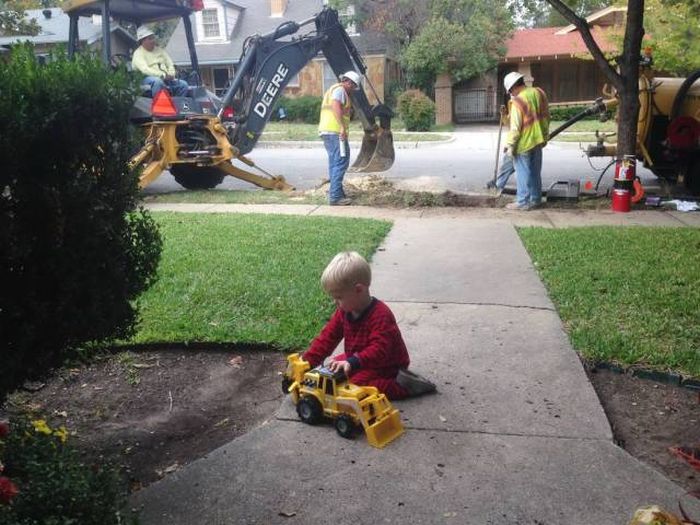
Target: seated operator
156, 64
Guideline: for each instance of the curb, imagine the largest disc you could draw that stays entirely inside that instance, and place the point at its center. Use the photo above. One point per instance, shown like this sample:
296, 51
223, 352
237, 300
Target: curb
668, 378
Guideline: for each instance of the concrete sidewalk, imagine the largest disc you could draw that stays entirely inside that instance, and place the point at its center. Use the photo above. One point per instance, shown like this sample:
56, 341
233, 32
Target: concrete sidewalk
515, 435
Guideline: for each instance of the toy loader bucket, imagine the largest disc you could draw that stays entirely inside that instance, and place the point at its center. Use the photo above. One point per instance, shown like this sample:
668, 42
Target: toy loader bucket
385, 429
377, 152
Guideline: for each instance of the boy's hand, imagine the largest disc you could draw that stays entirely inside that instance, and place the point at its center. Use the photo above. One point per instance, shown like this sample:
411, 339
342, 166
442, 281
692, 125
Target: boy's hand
340, 365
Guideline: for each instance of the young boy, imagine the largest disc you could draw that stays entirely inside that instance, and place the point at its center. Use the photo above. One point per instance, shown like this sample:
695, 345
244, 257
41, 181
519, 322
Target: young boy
375, 353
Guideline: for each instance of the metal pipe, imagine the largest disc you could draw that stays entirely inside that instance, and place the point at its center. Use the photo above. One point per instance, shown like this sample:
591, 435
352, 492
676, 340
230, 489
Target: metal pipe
191, 46
106, 35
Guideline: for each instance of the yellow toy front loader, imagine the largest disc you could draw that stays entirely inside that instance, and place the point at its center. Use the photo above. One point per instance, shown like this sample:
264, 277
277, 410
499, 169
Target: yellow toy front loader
320, 393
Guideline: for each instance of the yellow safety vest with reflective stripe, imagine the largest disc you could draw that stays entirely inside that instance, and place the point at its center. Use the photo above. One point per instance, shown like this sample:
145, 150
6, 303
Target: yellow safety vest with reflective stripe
529, 120
328, 123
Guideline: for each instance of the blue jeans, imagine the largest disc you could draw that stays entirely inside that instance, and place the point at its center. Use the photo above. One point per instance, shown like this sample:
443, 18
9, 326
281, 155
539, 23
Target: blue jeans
504, 171
337, 165
528, 168
177, 87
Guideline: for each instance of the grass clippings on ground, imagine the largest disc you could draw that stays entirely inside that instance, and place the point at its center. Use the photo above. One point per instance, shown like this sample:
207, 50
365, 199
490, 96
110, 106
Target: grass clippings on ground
626, 295
239, 278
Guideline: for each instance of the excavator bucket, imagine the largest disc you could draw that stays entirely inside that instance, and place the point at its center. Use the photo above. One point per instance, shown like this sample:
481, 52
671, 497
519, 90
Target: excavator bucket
377, 152
385, 429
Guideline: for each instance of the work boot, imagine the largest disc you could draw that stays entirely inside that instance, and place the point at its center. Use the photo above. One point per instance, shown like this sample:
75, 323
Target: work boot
341, 202
415, 384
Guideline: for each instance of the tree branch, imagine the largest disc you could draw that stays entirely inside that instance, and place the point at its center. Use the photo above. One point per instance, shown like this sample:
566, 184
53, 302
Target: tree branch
582, 26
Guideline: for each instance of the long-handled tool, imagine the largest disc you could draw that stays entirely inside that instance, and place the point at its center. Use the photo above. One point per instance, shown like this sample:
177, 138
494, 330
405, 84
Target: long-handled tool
498, 147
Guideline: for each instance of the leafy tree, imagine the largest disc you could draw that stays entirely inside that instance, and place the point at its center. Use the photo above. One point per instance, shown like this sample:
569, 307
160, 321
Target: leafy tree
675, 34
462, 37
12, 20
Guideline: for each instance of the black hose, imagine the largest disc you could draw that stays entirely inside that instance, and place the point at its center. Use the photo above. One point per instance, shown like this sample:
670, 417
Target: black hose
682, 92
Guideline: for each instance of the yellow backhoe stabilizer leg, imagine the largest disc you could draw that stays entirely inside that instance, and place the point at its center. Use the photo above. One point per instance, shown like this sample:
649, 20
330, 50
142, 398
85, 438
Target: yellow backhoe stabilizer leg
273, 183
150, 173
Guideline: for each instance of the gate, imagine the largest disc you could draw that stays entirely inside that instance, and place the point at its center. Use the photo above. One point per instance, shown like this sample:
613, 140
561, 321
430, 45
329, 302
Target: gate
474, 105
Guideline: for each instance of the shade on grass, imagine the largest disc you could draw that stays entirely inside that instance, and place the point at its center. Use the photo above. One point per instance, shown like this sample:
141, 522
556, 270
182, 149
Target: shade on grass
626, 295
247, 278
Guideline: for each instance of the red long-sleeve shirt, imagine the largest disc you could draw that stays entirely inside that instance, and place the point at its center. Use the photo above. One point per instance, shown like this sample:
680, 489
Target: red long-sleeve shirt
371, 341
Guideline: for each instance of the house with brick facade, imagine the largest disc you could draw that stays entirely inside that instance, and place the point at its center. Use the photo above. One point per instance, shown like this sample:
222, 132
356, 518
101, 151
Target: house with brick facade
553, 58
222, 27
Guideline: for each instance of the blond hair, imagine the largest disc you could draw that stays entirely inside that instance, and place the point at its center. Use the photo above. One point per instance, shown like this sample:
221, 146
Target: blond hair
345, 271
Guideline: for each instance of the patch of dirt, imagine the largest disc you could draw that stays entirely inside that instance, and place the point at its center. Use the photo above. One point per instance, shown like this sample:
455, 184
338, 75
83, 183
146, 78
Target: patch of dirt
375, 190
649, 417
152, 412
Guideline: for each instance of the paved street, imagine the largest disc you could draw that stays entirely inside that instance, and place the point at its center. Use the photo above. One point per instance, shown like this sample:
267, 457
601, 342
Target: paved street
462, 165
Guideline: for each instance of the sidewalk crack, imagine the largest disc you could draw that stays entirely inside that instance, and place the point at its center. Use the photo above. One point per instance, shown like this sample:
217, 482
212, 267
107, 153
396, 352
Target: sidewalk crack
503, 305
507, 434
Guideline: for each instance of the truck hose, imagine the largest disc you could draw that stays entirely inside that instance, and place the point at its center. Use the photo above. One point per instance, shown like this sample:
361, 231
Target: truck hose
682, 92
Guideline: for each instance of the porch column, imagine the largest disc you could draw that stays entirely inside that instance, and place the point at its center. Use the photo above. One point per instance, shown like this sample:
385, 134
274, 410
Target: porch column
524, 70
443, 99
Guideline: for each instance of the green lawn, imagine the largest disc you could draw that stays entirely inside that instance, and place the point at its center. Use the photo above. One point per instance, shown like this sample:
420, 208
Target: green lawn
626, 295
247, 278
254, 195
584, 130
309, 132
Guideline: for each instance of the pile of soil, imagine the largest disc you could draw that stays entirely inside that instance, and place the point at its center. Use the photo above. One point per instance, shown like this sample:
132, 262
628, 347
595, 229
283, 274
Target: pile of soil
154, 411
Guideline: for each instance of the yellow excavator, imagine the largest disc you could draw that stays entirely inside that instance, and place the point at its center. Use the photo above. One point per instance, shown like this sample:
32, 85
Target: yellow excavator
197, 136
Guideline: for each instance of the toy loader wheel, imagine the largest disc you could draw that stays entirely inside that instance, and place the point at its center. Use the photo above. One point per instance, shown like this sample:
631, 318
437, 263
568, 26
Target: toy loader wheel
345, 426
310, 410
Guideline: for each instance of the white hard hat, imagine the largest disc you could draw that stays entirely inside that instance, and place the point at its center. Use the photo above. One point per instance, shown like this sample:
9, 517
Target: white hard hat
511, 79
143, 32
351, 75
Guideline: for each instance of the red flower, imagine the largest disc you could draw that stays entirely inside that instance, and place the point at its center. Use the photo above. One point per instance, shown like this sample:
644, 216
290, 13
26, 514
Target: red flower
8, 490
4, 429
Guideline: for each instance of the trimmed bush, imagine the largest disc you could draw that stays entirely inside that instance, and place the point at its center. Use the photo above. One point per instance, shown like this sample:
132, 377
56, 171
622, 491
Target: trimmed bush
75, 252
566, 112
305, 109
417, 110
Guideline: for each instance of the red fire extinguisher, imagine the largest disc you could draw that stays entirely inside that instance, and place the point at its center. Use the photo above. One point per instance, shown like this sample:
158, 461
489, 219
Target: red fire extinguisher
623, 185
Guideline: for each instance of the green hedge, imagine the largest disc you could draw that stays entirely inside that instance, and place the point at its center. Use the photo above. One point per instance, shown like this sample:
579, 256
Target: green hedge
417, 110
75, 252
305, 109
567, 112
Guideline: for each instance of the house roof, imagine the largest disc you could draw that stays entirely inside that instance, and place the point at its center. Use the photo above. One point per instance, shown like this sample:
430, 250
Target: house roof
564, 42
528, 44
54, 29
255, 19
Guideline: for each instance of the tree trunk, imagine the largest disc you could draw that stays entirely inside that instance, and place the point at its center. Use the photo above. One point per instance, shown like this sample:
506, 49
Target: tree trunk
628, 111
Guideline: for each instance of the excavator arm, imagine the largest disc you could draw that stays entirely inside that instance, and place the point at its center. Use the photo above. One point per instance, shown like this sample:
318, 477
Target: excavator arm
267, 65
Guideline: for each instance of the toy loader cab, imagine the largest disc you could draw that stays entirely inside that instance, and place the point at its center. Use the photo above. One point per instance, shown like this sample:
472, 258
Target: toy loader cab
320, 393
182, 134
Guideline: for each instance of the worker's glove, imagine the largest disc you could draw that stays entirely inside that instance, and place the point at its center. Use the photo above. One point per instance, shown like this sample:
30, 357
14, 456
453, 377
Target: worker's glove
503, 111
508, 151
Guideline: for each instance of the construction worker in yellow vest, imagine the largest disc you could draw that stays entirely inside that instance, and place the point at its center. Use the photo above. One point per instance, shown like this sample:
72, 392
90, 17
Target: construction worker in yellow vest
529, 132
334, 127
